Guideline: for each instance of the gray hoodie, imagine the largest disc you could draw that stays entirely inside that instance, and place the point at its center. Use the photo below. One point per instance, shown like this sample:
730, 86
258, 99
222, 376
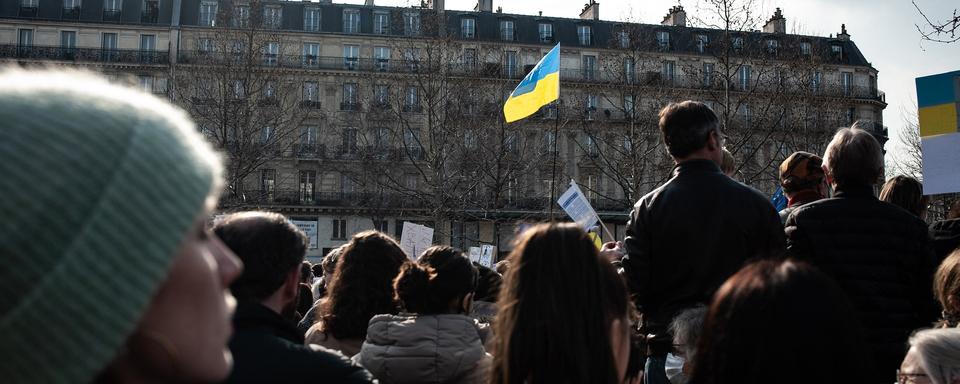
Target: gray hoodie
424, 349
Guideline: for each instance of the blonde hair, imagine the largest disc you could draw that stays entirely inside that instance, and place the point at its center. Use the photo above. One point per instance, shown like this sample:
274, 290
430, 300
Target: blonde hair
946, 284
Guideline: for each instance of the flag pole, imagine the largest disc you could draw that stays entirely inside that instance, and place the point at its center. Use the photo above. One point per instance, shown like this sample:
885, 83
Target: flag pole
553, 177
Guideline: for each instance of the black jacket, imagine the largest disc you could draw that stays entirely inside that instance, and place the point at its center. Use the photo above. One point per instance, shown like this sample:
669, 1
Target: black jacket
946, 237
880, 256
685, 238
269, 349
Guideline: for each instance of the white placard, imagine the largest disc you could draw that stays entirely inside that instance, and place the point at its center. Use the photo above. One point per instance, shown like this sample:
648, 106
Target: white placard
486, 255
941, 158
474, 254
415, 239
576, 205
310, 228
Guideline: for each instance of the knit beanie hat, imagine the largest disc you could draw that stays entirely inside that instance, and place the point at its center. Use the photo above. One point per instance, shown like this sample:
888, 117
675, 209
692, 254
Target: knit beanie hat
100, 186
801, 171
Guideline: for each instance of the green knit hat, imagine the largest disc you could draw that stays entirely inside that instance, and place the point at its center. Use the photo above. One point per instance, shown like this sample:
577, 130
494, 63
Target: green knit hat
100, 186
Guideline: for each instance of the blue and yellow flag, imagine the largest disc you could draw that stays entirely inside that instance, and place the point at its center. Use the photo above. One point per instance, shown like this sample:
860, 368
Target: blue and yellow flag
539, 88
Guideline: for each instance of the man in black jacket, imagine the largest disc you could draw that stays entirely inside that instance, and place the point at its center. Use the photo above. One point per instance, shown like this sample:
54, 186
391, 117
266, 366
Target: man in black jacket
692, 233
877, 252
267, 347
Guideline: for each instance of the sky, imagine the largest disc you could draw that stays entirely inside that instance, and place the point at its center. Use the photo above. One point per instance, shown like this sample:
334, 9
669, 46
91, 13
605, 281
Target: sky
884, 30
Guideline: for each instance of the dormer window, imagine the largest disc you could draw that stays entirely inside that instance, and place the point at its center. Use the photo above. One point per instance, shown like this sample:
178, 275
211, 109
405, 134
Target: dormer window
805, 48
737, 43
702, 41
468, 28
506, 30
663, 39
773, 46
546, 32
585, 35
837, 50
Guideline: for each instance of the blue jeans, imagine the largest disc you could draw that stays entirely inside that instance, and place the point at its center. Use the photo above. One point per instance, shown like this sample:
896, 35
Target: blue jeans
654, 371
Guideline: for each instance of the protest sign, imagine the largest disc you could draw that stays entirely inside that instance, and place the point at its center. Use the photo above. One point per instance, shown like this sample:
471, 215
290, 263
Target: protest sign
576, 205
415, 239
486, 255
474, 254
938, 102
308, 227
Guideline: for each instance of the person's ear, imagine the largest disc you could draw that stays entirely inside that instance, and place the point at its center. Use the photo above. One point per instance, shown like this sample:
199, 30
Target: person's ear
713, 142
291, 285
827, 175
467, 303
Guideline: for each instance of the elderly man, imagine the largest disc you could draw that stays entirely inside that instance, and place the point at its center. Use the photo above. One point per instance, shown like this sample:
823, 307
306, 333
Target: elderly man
878, 253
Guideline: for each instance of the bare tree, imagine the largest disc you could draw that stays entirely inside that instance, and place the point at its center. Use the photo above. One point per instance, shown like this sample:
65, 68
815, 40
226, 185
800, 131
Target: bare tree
940, 30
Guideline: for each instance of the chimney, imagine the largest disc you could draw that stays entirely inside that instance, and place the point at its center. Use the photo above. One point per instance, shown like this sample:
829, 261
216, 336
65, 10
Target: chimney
436, 5
368, 3
591, 11
843, 35
776, 24
484, 6
676, 17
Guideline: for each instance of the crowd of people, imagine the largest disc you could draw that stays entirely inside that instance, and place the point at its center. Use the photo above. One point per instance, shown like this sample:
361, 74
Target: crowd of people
113, 271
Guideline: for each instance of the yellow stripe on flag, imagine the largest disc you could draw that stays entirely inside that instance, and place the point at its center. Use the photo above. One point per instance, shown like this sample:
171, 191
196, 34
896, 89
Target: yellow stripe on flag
547, 90
938, 119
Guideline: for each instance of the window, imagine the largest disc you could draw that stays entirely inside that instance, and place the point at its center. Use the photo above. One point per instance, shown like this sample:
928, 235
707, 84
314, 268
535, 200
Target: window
470, 139
208, 13
308, 186
381, 95
349, 138
241, 16
68, 41
351, 21
268, 181
737, 43
381, 58
311, 92
744, 77
663, 39
239, 89
623, 37
708, 74
205, 45
845, 82
669, 71
549, 141
311, 55
510, 64
410, 181
271, 53
773, 46
148, 48
349, 101
237, 47
351, 57
411, 56
272, 17
411, 100
112, 5
629, 70
71, 4
28, 3
589, 67
381, 225
411, 23
506, 30
702, 41
311, 19
151, 11
851, 115
308, 135
339, 229
511, 142
629, 105
382, 137
836, 49
381, 23
591, 107
546, 32
146, 83
269, 92
585, 34
411, 142
469, 58
468, 28
815, 80
108, 43
805, 48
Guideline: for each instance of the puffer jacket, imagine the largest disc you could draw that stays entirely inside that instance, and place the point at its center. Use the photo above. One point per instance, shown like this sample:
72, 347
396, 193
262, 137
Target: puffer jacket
424, 349
880, 256
946, 237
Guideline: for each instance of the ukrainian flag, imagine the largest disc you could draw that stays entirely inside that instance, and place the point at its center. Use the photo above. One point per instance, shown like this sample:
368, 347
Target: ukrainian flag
539, 88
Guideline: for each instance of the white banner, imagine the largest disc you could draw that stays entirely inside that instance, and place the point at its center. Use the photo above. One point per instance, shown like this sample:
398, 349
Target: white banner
474, 254
487, 255
310, 228
576, 205
415, 239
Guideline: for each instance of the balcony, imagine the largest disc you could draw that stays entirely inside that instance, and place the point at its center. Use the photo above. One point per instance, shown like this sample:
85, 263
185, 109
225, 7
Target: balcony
349, 106
150, 17
310, 104
121, 56
111, 15
71, 13
309, 151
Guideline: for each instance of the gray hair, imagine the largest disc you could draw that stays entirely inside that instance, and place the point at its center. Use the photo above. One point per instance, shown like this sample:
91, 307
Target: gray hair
854, 157
938, 352
686, 328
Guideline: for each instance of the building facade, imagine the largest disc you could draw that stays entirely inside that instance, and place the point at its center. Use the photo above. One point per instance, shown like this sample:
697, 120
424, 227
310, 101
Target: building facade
354, 117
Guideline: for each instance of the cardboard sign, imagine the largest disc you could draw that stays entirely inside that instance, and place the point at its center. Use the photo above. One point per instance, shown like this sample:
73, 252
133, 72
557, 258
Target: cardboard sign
415, 239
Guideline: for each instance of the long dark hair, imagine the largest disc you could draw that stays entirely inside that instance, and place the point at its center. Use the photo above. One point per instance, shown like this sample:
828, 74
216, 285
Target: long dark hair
780, 322
557, 302
429, 286
362, 285
905, 192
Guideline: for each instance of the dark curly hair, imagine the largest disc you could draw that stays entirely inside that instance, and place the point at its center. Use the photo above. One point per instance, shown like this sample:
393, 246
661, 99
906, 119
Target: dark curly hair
362, 285
442, 275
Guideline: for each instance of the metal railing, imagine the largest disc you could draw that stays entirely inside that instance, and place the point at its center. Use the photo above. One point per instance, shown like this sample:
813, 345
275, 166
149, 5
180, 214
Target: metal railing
126, 56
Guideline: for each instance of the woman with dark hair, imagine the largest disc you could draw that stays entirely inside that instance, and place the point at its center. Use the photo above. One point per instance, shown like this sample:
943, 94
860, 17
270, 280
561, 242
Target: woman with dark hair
433, 340
907, 193
361, 288
780, 322
563, 312
488, 288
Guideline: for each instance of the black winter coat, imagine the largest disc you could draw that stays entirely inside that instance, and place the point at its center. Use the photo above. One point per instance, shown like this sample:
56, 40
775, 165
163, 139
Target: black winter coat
685, 238
269, 349
946, 237
880, 256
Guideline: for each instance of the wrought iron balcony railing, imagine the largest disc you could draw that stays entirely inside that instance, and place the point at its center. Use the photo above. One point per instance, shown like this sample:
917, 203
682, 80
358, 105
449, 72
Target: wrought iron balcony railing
124, 56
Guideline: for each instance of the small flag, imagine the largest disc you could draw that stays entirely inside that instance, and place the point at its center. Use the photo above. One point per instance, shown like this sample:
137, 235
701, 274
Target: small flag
540, 87
778, 200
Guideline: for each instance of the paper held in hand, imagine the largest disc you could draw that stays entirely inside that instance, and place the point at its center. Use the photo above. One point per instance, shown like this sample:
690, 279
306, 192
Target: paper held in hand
576, 205
415, 239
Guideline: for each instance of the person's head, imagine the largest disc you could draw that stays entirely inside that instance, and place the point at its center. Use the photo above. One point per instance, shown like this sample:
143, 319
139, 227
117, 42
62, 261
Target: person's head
106, 196
272, 249
853, 158
934, 357
685, 328
362, 285
441, 281
488, 288
954, 210
946, 288
306, 272
773, 322
563, 312
690, 130
728, 166
329, 263
317, 270
905, 192
801, 172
